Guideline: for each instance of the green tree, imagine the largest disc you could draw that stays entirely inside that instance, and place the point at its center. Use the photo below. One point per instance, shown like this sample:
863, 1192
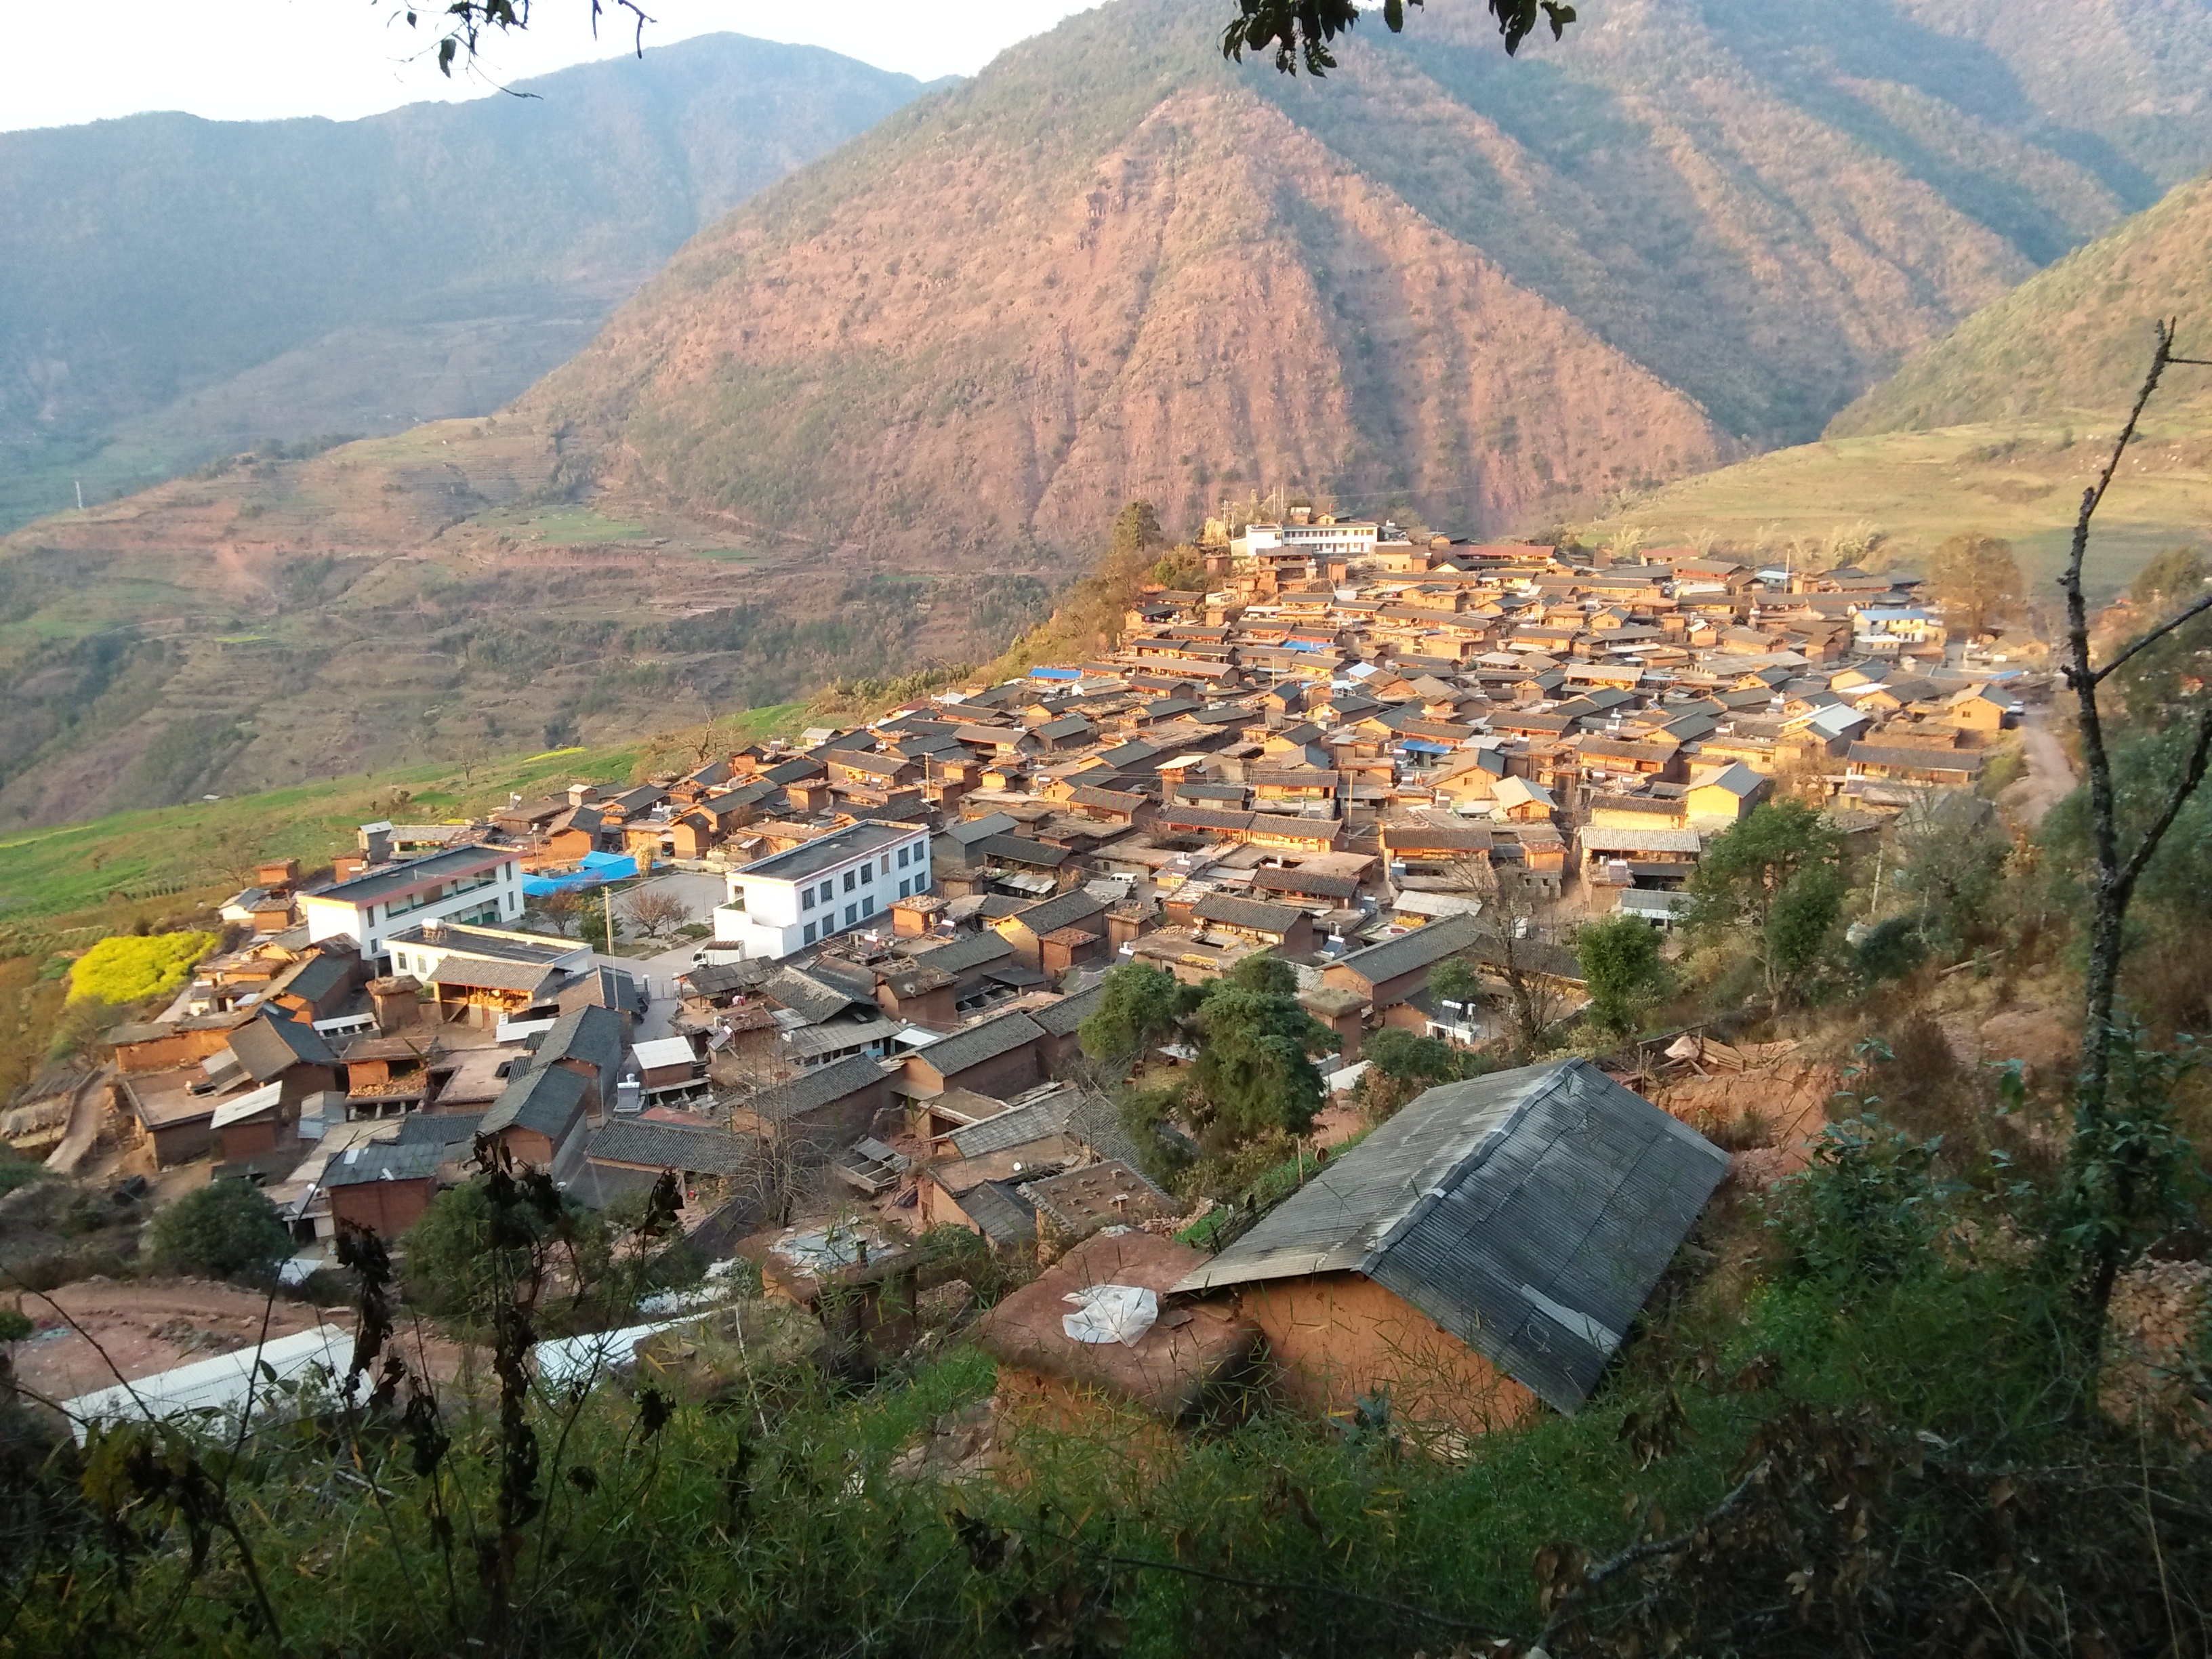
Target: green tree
2173, 575
1455, 980
1977, 580
1140, 1007
1620, 963
226, 1230
1255, 1068
463, 1256
1801, 928
1136, 532
1180, 570
1783, 848
15, 1326
1409, 1057
1747, 865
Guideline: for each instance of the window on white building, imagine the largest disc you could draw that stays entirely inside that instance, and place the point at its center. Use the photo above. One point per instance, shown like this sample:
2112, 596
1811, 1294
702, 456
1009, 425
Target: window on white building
851, 878
902, 856
852, 913
806, 899
812, 928
867, 874
868, 906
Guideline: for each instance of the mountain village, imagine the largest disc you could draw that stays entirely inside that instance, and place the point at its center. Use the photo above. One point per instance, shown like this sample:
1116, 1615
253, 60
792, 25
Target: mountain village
1363, 756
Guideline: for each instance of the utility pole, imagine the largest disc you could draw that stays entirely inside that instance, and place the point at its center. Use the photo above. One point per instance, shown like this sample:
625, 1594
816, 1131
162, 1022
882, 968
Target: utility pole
607, 894
80, 495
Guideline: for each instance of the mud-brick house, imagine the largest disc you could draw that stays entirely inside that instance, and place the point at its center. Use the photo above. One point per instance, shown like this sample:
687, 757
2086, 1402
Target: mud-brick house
287, 1052
541, 1118
999, 1056
1488, 1248
382, 1176
1389, 973
1283, 929
1197, 1354
1027, 931
825, 1107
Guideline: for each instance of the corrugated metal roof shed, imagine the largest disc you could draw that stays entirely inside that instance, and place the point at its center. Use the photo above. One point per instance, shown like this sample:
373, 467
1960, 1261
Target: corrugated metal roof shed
1529, 1212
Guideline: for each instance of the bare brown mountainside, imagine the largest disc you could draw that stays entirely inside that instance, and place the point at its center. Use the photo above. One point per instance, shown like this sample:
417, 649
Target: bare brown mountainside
172, 289
427, 596
1488, 291
866, 422
2072, 340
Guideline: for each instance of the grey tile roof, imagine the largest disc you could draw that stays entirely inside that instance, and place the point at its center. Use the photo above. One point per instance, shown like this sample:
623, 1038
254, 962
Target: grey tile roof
1062, 1018
819, 1087
268, 1047
546, 1098
969, 952
811, 999
977, 1043
385, 1160
1005, 1217
1065, 911
439, 1128
668, 1146
1408, 951
1020, 849
1529, 1212
1308, 883
1251, 914
592, 1034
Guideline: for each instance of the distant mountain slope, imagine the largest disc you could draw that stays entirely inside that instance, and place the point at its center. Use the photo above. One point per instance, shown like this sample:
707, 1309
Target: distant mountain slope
176, 287
2075, 338
1489, 291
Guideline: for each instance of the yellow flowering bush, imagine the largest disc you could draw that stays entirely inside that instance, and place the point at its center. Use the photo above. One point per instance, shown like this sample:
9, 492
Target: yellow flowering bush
130, 966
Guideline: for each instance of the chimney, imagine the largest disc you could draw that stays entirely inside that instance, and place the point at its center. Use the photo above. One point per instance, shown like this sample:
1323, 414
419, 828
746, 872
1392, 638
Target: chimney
579, 793
396, 1002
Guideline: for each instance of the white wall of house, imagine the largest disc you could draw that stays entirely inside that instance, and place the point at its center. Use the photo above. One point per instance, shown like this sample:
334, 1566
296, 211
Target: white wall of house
772, 915
489, 897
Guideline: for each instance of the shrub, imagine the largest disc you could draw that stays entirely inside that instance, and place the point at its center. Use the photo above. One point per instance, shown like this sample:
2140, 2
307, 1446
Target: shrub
127, 968
226, 1230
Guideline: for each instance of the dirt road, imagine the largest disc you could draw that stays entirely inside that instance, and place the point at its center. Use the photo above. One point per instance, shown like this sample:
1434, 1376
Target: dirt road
86, 1108
2050, 775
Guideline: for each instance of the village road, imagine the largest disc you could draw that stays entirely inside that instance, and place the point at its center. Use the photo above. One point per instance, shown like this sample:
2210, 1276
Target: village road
2050, 775
86, 1109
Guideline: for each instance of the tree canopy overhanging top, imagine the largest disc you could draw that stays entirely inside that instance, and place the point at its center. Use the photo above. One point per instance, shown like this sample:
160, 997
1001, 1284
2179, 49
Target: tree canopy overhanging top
1298, 32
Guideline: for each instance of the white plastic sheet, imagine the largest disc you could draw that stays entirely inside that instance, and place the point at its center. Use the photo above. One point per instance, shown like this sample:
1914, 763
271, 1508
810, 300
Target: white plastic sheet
1110, 1313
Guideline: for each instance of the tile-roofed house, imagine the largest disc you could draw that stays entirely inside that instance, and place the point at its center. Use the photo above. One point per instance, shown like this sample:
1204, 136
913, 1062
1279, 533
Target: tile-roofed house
834, 1104
272, 1047
540, 1117
646, 1144
1282, 927
1522, 1217
999, 1055
1389, 972
1306, 884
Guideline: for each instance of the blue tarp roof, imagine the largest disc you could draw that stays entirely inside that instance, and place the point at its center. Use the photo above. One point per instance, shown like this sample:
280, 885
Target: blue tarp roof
592, 870
1055, 673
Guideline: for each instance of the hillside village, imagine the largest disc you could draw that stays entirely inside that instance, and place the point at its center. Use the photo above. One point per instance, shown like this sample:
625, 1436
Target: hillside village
1364, 757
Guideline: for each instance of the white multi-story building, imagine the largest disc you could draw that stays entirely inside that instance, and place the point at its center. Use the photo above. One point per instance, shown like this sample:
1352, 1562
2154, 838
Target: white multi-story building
477, 884
1324, 537
783, 904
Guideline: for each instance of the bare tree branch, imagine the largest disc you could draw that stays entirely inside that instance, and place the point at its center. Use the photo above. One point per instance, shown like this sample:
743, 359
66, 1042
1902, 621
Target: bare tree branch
2153, 637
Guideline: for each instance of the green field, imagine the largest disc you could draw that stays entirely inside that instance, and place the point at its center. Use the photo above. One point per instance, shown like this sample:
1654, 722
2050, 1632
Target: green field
2022, 482
73, 874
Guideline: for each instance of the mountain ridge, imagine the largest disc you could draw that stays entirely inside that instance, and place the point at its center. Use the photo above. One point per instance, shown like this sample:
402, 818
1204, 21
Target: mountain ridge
176, 288
1757, 264
2074, 339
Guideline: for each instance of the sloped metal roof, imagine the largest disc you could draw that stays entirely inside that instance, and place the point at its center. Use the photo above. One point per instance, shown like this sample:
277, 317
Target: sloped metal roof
1529, 1212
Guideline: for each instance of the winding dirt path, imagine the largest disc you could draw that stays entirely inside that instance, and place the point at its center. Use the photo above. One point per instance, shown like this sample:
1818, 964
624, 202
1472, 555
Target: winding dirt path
2050, 775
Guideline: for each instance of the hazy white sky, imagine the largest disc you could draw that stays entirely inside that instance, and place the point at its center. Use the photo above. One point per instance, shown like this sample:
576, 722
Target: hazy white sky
61, 63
